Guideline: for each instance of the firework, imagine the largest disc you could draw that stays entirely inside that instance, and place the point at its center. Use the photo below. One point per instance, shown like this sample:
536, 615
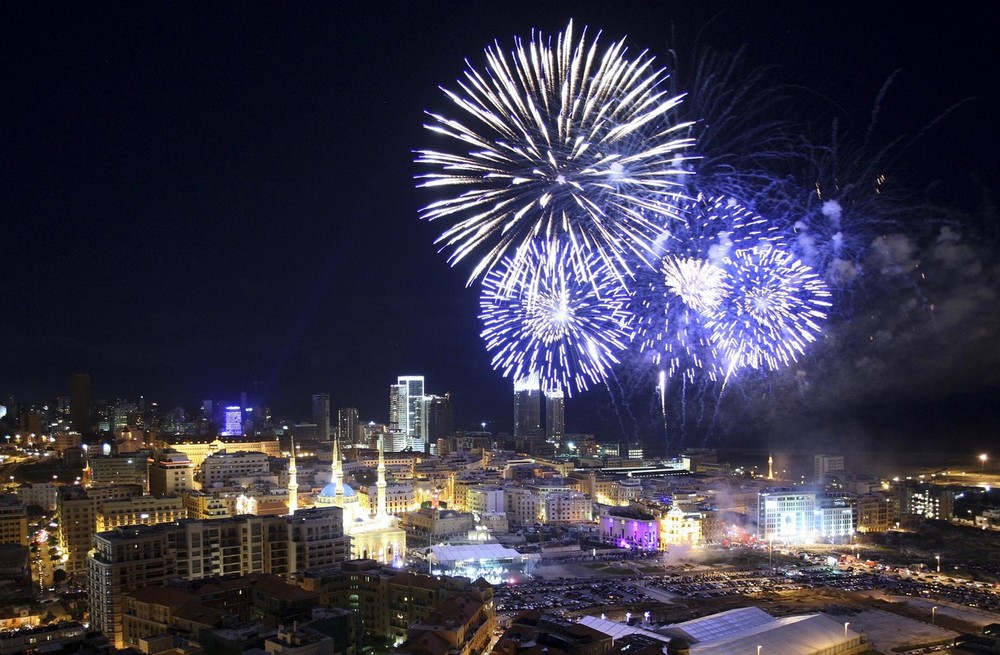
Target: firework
559, 140
772, 308
674, 304
552, 324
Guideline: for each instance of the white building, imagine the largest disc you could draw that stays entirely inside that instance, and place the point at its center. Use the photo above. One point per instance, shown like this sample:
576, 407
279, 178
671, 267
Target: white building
218, 469
407, 411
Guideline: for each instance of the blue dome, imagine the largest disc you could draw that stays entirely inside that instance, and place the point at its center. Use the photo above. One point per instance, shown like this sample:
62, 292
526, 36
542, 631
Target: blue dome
330, 490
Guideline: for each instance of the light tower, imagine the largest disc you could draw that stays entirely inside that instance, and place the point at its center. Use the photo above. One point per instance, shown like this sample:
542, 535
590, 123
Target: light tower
293, 483
380, 512
337, 472
770, 467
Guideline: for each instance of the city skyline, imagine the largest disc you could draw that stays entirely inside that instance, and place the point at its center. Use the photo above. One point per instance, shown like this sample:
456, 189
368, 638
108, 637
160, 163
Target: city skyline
202, 210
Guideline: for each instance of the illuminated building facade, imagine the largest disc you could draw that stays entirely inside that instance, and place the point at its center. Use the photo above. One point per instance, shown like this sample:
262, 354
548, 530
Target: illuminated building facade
679, 528
527, 407
568, 507
629, 527
555, 416
170, 473
221, 467
373, 535
78, 509
139, 510
786, 514
406, 411
198, 449
132, 557
13, 520
876, 512
348, 426
232, 421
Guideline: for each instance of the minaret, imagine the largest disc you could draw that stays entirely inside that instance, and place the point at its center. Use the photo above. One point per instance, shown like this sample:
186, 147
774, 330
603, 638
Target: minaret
770, 467
337, 471
380, 485
293, 482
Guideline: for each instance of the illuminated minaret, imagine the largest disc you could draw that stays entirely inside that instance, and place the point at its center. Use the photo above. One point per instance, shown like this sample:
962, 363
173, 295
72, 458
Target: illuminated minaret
380, 484
293, 482
770, 467
337, 471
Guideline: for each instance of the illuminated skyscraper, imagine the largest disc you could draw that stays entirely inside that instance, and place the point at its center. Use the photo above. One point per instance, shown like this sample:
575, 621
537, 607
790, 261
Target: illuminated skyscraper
527, 407
232, 421
407, 410
348, 427
321, 415
555, 416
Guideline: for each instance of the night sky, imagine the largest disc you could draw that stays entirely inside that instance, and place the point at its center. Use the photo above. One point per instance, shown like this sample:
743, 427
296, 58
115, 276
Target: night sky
201, 199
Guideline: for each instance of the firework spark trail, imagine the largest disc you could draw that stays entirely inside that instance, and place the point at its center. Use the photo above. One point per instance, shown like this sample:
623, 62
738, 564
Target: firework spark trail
773, 308
674, 305
552, 324
564, 141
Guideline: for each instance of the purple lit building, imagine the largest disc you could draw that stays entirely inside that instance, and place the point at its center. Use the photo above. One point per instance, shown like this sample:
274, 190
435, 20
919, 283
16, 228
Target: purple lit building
629, 527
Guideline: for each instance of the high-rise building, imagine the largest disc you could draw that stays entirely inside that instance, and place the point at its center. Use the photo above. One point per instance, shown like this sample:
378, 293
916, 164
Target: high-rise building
555, 415
440, 420
348, 425
232, 421
79, 403
406, 410
824, 465
321, 415
527, 407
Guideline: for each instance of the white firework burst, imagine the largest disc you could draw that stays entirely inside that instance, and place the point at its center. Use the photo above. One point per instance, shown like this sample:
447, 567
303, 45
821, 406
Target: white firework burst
560, 139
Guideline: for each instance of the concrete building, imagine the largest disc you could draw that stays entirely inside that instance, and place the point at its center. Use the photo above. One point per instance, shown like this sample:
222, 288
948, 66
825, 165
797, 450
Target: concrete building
555, 416
170, 473
42, 494
198, 449
428, 525
77, 509
827, 466
13, 520
321, 415
139, 510
787, 514
568, 507
629, 527
527, 407
407, 411
877, 512
131, 557
222, 468
119, 469
349, 426
388, 601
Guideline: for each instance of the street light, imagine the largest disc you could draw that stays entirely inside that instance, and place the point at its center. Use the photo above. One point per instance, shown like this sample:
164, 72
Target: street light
982, 462
846, 623
758, 649
938, 558
933, 614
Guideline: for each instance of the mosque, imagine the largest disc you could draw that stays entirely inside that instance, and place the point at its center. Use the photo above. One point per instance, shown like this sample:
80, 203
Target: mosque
373, 536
